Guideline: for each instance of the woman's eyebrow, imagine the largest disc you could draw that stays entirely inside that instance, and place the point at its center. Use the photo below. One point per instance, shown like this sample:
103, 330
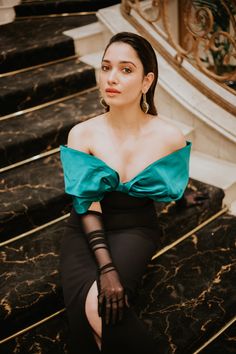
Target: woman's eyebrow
121, 62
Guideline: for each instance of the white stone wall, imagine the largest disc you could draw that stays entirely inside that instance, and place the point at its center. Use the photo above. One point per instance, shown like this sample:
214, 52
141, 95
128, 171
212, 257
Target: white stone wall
7, 12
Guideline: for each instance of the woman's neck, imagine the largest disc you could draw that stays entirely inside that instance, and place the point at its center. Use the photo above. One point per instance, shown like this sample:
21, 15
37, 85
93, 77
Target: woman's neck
127, 121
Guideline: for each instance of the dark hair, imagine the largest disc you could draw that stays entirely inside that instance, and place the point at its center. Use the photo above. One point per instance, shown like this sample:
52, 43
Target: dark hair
148, 58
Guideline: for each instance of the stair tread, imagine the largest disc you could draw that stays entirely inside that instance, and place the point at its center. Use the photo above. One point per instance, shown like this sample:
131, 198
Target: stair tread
44, 84
24, 48
44, 129
209, 169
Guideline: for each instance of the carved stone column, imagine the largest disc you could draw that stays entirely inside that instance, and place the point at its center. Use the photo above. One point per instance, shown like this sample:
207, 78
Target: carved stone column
7, 11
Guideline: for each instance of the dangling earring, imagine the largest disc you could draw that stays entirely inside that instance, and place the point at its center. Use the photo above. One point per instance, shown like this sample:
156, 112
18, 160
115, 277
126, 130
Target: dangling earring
103, 103
144, 104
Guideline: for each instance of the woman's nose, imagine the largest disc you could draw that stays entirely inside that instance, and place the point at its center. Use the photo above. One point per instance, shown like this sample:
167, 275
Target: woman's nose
112, 77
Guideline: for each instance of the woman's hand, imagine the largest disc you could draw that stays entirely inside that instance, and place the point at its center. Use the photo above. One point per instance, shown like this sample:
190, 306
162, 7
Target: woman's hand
111, 297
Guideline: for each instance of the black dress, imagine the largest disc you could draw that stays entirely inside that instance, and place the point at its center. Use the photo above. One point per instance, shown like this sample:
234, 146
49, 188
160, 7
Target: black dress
132, 232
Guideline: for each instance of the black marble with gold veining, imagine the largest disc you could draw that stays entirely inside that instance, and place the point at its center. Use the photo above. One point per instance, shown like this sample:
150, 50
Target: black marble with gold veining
189, 292
48, 338
45, 84
30, 281
38, 131
31, 195
22, 47
173, 216
31, 8
224, 344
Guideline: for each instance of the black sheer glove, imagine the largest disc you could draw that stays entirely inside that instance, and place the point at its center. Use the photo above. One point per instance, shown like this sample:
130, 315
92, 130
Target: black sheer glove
111, 297
111, 293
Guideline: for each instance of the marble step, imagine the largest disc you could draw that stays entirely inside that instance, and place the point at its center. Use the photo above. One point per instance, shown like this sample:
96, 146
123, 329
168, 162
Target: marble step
31, 195
36, 41
30, 280
49, 337
33, 133
45, 7
189, 292
41, 85
224, 343
29, 275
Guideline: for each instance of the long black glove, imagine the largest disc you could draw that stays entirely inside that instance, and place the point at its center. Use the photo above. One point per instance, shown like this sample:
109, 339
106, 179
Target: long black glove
111, 293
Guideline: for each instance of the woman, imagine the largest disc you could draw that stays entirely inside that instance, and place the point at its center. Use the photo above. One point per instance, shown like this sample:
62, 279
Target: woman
115, 166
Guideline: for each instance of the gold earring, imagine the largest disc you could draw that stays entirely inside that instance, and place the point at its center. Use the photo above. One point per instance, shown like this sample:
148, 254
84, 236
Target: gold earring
144, 104
103, 103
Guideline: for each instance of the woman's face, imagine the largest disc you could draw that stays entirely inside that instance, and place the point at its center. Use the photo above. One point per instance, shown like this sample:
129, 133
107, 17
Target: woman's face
121, 77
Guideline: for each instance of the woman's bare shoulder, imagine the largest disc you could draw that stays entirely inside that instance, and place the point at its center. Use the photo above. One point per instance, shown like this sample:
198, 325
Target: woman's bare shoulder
170, 133
81, 134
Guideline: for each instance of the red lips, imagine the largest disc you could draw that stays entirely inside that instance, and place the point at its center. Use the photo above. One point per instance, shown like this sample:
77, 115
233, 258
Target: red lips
112, 90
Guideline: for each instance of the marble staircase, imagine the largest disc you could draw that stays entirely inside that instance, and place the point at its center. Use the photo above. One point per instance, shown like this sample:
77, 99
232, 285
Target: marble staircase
187, 295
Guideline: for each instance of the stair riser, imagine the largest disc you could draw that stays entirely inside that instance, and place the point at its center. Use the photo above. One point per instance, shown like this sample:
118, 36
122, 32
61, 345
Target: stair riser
23, 220
89, 44
45, 129
29, 198
88, 39
58, 7
17, 60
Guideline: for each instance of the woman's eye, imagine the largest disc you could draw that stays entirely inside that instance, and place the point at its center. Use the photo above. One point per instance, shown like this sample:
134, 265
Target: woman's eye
105, 68
127, 70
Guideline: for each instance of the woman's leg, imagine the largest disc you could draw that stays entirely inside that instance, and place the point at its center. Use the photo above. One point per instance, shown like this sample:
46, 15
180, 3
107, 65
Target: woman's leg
91, 309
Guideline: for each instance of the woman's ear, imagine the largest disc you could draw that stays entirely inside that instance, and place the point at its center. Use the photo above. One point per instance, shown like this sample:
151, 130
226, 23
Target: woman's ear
147, 81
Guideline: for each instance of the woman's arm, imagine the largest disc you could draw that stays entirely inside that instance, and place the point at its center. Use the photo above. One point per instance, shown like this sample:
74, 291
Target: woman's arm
111, 294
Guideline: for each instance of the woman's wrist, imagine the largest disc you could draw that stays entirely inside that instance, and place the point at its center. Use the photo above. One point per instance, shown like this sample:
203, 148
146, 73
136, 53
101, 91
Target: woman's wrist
108, 267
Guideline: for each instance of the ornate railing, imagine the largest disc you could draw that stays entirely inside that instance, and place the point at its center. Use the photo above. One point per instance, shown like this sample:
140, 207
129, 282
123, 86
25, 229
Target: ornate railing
208, 32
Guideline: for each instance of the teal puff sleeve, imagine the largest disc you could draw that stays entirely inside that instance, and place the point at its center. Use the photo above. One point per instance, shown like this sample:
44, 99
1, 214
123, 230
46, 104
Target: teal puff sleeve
166, 179
84, 178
